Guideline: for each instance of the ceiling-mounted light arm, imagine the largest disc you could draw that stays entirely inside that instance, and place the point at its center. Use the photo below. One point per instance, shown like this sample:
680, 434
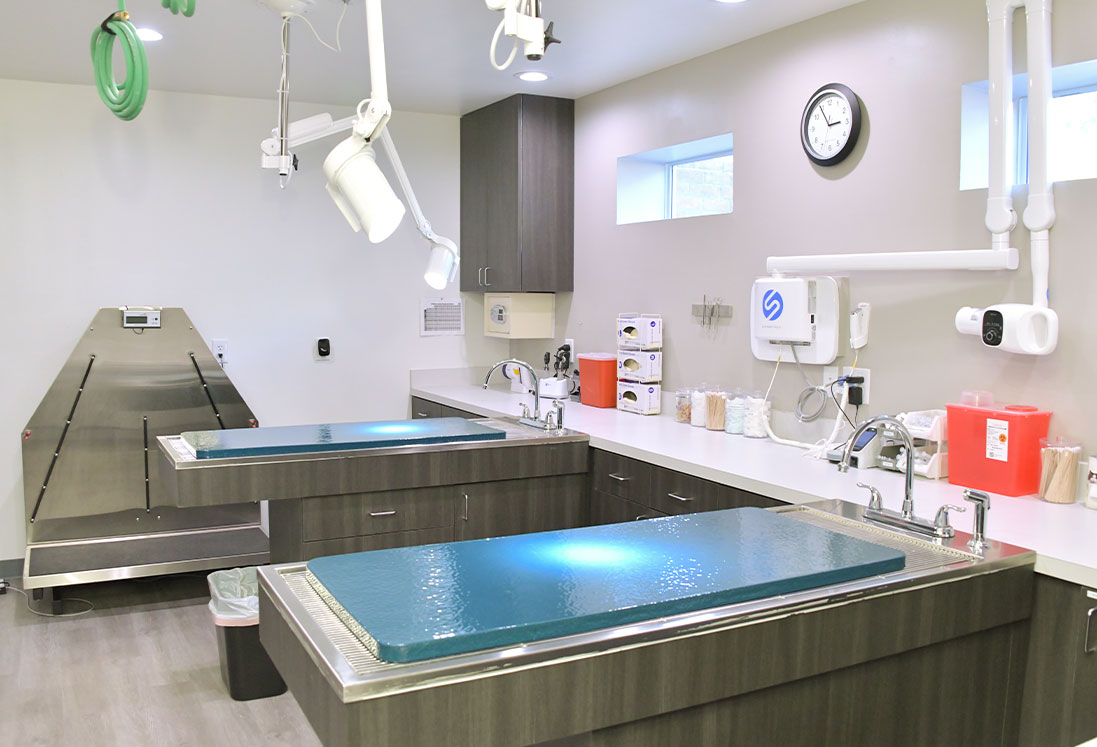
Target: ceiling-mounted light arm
522, 22
372, 120
444, 256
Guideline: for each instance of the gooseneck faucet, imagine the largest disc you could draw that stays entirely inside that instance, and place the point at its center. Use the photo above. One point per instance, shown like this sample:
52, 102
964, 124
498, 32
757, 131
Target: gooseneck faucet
908, 442
556, 419
939, 528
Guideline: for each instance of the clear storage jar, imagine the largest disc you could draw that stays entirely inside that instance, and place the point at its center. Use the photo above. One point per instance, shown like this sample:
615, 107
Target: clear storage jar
757, 415
735, 413
715, 406
683, 403
698, 403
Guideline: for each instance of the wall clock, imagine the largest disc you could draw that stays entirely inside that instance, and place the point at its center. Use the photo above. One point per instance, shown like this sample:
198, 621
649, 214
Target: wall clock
831, 124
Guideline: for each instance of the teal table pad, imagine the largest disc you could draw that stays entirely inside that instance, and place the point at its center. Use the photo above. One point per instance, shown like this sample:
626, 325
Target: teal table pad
306, 439
417, 603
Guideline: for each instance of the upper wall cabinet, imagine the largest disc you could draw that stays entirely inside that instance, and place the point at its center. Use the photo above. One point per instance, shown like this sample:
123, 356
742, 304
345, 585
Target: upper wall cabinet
517, 195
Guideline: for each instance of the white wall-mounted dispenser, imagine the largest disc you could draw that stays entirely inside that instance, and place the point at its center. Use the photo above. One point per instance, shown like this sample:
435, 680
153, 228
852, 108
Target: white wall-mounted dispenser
794, 311
520, 316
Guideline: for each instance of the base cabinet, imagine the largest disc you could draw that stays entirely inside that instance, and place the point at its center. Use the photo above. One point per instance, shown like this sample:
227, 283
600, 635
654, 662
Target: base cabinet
497, 509
609, 509
1060, 697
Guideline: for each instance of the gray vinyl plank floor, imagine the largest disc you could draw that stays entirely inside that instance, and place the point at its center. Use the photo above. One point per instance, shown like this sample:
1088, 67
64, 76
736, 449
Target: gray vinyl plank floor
141, 669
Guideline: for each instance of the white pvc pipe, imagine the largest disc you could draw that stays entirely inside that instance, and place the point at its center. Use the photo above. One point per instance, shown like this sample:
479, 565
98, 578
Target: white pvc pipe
1000, 258
1040, 211
1000, 217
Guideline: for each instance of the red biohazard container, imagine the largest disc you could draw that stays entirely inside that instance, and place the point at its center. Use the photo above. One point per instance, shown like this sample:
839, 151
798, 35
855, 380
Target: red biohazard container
598, 379
996, 448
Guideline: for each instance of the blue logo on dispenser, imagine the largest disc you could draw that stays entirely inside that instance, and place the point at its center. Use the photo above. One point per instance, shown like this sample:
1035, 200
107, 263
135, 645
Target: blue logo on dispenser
772, 305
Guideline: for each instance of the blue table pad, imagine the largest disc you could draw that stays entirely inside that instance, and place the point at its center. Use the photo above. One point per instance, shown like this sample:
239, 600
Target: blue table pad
418, 603
305, 439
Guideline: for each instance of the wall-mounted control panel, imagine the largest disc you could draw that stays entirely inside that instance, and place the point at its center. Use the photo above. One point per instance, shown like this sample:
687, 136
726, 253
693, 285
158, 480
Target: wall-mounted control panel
141, 317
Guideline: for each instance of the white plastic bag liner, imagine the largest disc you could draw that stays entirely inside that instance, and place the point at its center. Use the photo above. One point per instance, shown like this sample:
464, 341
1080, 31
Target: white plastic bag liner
234, 597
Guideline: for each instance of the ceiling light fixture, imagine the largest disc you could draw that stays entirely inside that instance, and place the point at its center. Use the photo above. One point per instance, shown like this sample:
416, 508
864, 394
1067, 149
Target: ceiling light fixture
730, 2
532, 76
149, 35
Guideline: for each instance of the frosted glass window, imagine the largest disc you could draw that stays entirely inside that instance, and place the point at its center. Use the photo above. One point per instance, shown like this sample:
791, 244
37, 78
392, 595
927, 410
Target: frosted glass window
701, 187
678, 181
1072, 127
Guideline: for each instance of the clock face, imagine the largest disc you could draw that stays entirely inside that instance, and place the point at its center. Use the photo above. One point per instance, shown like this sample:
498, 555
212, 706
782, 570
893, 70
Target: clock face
831, 124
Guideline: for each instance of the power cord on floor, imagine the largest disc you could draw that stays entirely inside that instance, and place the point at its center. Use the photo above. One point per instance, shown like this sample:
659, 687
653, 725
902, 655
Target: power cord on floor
5, 585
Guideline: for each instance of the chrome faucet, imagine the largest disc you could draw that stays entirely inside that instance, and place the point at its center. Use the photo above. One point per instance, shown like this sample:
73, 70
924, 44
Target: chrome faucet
939, 527
551, 423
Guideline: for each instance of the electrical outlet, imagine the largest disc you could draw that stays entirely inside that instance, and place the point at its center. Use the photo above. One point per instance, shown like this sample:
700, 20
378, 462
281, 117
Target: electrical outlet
220, 349
847, 371
571, 344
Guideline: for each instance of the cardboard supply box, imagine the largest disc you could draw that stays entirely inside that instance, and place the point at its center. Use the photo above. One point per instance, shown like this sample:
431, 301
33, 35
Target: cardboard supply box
639, 331
639, 398
644, 366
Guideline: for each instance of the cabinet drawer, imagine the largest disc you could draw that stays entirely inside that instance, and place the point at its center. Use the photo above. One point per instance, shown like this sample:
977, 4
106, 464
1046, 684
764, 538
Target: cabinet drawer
621, 476
377, 542
453, 412
337, 516
609, 509
422, 408
737, 498
679, 493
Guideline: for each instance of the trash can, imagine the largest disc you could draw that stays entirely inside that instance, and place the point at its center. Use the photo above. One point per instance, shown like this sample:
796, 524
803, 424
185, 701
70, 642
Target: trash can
246, 669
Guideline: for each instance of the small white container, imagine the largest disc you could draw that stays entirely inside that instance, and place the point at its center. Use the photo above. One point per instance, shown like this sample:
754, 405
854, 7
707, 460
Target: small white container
639, 398
698, 403
757, 417
639, 331
640, 365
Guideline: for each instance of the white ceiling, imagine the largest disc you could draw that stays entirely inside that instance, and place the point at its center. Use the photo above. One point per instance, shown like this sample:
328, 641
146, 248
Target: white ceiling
436, 49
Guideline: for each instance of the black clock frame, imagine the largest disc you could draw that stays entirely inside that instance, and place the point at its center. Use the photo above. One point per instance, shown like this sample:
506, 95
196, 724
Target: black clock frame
855, 124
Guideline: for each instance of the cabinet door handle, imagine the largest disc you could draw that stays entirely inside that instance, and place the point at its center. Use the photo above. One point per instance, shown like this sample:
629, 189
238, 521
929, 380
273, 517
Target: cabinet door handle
486, 282
390, 512
1089, 645
682, 498
641, 517
422, 415
480, 276
465, 516
619, 478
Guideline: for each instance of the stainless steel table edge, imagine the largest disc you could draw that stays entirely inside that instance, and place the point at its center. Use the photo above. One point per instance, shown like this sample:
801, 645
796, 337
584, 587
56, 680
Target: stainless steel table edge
385, 678
534, 438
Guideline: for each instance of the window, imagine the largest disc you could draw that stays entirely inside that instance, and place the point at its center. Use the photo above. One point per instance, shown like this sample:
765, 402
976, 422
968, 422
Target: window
679, 181
1072, 128
700, 187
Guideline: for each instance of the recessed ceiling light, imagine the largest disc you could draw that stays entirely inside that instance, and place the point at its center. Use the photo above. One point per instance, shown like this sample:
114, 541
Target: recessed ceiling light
532, 76
729, 2
149, 35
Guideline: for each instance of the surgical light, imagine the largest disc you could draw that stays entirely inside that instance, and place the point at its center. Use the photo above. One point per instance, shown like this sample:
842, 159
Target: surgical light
442, 265
354, 181
361, 191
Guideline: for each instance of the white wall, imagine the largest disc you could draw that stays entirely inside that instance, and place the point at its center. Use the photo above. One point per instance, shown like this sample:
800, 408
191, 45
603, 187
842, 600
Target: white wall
172, 209
899, 191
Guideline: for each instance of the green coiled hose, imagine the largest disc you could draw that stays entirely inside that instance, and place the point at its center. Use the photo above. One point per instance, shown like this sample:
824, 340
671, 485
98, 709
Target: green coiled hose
125, 99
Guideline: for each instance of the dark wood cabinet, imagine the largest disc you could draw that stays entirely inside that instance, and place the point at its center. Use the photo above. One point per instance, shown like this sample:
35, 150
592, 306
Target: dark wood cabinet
496, 509
517, 195
453, 412
424, 408
620, 476
1061, 676
609, 509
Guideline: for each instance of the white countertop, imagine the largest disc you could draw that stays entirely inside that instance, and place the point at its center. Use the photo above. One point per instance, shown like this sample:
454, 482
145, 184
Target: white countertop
1064, 536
